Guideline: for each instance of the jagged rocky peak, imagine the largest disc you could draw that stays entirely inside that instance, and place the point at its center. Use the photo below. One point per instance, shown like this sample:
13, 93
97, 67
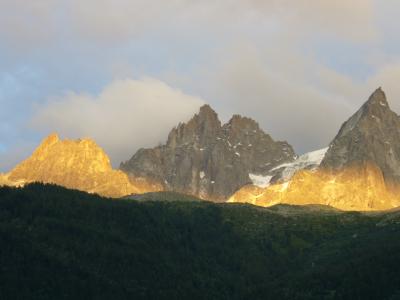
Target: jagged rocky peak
207, 159
207, 111
371, 135
79, 164
201, 129
377, 103
50, 140
242, 123
359, 171
239, 129
256, 148
78, 153
55, 157
206, 120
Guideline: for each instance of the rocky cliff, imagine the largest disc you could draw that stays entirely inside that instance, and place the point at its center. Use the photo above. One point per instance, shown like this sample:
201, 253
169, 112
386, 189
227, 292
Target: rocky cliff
360, 170
207, 159
371, 135
78, 164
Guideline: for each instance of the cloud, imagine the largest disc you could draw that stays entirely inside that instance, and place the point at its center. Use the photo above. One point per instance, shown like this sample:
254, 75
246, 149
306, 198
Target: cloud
353, 20
287, 104
126, 115
25, 23
123, 18
293, 97
31, 23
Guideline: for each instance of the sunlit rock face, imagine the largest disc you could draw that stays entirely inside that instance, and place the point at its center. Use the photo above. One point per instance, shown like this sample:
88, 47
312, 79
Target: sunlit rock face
78, 164
360, 188
4, 180
209, 160
360, 170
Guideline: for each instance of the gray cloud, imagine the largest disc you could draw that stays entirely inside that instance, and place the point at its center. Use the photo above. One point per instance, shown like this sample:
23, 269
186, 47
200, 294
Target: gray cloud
126, 115
292, 97
286, 105
35, 23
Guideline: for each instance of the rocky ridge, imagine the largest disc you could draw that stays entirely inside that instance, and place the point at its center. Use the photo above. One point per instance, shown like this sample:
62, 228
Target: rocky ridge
371, 135
360, 170
208, 159
77, 164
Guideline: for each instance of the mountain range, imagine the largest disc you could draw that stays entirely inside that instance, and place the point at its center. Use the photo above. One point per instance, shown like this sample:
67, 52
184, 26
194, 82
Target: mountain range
208, 159
359, 171
238, 162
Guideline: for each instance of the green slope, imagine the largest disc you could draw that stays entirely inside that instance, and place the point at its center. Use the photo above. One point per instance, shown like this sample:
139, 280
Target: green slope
164, 196
62, 244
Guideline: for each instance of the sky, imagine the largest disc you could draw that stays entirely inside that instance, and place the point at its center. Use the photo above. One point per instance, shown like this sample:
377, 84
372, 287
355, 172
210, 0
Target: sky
124, 72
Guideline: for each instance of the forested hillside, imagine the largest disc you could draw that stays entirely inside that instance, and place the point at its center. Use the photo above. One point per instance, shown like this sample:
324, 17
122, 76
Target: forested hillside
63, 244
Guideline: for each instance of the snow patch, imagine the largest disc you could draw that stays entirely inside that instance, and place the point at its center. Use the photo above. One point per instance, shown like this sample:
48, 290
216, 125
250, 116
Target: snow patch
260, 180
310, 160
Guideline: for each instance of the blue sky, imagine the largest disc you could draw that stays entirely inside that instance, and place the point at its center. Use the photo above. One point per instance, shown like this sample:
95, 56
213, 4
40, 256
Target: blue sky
299, 68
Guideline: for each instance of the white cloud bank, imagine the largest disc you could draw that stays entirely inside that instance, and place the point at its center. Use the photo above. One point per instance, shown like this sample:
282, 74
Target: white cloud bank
127, 115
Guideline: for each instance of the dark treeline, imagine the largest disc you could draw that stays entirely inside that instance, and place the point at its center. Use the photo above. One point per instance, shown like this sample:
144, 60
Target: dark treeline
61, 244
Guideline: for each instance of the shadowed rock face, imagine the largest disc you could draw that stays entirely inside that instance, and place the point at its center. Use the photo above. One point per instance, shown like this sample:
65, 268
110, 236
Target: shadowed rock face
372, 134
210, 160
257, 150
360, 170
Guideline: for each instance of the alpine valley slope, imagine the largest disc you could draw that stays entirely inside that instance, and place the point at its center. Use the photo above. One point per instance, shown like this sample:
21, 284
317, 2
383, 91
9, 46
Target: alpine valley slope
209, 160
77, 164
360, 170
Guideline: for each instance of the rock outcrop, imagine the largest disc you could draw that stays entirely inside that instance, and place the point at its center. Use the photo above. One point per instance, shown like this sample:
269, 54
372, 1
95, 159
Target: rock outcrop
358, 188
371, 135
77, 164
360, 170
207, 159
